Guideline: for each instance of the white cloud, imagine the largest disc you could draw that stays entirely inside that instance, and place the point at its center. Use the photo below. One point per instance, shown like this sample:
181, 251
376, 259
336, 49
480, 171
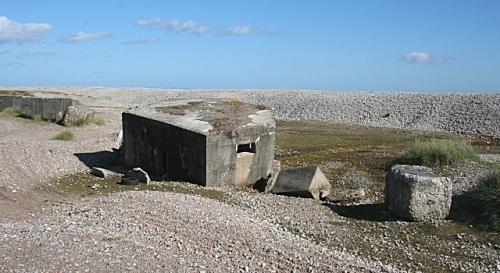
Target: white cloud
424, 58
239, 30
85, 36
142, 41
33, 53
14, 32
149, 22
175, 25
242, 30
4, 52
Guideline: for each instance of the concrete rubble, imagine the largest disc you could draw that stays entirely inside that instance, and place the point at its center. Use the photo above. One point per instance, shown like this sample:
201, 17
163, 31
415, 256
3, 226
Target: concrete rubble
77, 115
415, 193
304, 182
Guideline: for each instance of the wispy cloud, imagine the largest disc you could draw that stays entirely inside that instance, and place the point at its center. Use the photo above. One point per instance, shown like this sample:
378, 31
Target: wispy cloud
239, 30
243, 30
85, 36
142, 41
34, 53
419, 57
175, 25
11, 64
14, 32
4, 52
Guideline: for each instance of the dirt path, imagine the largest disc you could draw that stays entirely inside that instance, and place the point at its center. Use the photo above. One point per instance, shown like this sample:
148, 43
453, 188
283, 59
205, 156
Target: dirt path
29, 158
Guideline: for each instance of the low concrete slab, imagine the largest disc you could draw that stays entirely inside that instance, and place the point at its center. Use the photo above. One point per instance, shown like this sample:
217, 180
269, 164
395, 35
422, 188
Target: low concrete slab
416, 193
51, 109
309, 182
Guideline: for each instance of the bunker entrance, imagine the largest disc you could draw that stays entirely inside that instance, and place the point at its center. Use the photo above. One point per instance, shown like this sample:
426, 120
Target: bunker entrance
244, 160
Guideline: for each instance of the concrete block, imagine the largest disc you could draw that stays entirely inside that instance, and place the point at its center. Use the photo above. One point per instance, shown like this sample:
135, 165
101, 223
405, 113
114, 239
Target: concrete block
415, 193
309, 182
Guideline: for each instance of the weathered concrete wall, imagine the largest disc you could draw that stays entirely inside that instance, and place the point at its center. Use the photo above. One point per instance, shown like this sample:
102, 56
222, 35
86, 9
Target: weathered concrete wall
48, 108
163, 150
222, 155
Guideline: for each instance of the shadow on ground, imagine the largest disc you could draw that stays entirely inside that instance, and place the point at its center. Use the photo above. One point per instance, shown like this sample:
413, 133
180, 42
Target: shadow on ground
368, 212
101, 159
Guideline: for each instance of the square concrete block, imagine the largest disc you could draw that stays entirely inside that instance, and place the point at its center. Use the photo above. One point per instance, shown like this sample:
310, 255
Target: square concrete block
415, 193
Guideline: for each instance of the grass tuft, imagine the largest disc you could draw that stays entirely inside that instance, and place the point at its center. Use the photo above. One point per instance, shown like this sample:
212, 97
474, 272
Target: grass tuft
64, 135
483, 203
11, 112
96, 120
438, 152
86, 121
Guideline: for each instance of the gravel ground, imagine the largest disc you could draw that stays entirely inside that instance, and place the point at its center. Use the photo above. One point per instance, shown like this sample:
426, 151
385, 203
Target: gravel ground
161, 231
164, 232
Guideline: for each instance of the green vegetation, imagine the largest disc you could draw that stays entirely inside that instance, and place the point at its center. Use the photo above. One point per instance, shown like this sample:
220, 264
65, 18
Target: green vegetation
86, 121
10, 112
96, 120
13, 112
482, 205
64, 135
351, 156
439, 152
85, 184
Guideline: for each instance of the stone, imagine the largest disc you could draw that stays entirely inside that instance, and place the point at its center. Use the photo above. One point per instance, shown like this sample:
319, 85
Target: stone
77, 115
274, 175
348, 196
309, 182
119, 139
139, 174
417, 194
103, 173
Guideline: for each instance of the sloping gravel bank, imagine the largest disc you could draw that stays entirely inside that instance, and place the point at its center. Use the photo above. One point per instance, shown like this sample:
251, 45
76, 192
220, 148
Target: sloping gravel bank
477, 114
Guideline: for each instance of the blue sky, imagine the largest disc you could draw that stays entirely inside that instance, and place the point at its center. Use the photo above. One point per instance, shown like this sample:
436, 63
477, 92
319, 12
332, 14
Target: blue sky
450, 46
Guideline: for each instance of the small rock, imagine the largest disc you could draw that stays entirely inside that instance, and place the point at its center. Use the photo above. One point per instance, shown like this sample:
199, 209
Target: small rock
140, 175
103, 173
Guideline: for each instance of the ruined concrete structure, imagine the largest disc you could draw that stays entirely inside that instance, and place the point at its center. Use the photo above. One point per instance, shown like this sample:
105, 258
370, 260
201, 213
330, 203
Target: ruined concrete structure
209, 142
416, 193
51, 109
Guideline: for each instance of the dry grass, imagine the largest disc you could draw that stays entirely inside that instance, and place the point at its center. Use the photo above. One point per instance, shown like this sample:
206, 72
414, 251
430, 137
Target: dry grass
64, 136
439, 152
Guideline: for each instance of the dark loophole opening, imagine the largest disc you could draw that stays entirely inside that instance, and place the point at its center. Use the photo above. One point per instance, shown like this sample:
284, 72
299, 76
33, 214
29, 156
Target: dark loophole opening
249, 148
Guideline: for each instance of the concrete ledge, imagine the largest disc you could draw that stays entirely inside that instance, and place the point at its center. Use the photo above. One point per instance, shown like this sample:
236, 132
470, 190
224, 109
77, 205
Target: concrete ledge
51, 109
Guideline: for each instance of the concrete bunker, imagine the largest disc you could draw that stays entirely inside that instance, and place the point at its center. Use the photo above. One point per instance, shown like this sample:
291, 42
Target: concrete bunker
208, 142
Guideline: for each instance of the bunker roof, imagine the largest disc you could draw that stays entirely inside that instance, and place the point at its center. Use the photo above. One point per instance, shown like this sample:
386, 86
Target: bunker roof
208, 117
